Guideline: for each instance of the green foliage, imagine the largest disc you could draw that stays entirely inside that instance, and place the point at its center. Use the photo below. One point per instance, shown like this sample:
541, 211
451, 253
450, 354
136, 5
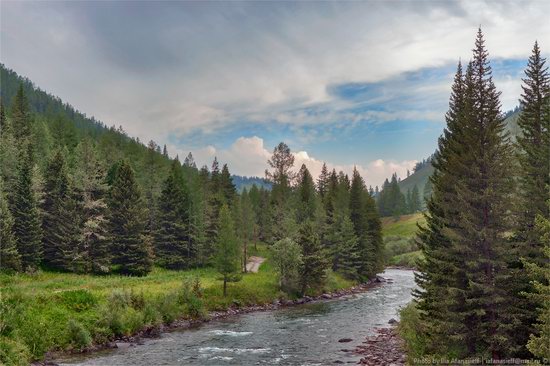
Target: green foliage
314, 259
228, 255
413, 331
129, 243
78, 300
172, 247
26, 227
9, 256
78, 335
13, 353
287, 258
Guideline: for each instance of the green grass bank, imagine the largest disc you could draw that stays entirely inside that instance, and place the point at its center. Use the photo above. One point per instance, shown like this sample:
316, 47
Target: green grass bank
48, 311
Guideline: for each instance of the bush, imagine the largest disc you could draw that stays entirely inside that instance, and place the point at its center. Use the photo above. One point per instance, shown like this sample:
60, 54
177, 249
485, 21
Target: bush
411, 329
13, 353
396, 245
78, 336
78, 300
169, 307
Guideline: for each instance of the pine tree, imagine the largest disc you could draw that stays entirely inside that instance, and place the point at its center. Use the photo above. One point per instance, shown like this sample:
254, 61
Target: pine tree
26, 227
226, 185
2, 117
345, 251
415, 204
93, 253
314, 262
306, 196
281, 178
21, 116
247, 223
171, 237
442, 267
534, 158
190, 161
126, 222
287, 258
57, 222
165, 151
539, 343
468, 219
9, 256
228, 252
323, 181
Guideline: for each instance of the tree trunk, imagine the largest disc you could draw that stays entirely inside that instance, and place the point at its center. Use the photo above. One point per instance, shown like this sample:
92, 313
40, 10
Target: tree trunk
245, 256
224, 286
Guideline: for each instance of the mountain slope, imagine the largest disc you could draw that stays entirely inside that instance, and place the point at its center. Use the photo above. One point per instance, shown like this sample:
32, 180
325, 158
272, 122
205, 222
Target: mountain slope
420, 177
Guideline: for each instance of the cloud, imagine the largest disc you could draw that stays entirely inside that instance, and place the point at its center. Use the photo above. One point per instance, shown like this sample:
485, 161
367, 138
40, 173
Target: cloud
174, 68
248, 156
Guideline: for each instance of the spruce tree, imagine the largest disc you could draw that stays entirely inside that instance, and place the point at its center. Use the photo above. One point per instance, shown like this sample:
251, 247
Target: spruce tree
247, 223
323, 182
227, 257
2, 117
93, 245
9, 256
442, 268
172, 235
226, 185
306, 196
534, 159
26, 227
57, 221
314, 261
126, 223
344, 247
469, 220
415, 204
21, 116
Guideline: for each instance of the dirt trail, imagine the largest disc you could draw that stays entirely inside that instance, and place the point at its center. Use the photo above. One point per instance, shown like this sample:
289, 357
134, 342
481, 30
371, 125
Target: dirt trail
254, 264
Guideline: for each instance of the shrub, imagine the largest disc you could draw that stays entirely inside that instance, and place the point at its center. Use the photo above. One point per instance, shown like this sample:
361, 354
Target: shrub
78, 336
169, 306
13, 353
78, 300
411, 329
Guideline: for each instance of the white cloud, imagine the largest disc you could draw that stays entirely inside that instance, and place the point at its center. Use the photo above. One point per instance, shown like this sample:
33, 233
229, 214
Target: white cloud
248, 156
207, 66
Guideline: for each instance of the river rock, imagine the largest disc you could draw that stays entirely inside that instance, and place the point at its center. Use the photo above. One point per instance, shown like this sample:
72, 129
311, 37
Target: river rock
392, 321
123, 345
345, 340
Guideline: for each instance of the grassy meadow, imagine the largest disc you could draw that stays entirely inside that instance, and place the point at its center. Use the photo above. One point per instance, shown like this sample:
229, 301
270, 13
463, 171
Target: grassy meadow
399, 233
48, 311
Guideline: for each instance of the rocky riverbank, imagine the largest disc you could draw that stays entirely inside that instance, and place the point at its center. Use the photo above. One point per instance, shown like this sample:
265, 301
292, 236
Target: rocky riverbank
385, 348
181, 324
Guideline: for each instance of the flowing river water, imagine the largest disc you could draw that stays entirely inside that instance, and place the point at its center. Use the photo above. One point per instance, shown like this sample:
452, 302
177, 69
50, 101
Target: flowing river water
300, 335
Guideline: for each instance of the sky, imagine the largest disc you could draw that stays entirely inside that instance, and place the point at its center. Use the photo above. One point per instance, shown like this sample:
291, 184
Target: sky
362, 83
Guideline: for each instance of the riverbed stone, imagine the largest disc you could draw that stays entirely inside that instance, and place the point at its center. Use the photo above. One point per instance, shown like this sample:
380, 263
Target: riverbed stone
345, 340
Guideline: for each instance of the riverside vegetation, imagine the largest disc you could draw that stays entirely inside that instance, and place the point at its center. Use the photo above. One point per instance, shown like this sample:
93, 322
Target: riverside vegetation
484, 272
99, 230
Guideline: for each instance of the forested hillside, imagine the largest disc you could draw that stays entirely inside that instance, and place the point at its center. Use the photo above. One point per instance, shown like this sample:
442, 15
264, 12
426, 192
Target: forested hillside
79, 197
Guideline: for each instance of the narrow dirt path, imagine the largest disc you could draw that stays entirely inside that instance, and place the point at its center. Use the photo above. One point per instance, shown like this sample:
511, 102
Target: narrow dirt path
254, 264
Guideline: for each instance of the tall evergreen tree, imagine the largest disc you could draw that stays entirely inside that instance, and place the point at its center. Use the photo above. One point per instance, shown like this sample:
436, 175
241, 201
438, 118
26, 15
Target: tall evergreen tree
534, 158
57, 224
323, 181
9, 256
314, 261
94, 252
126, 222
21, 116
24, 209
172, 235
247, 223
306, 196
474, 152
226, 185
228, 252
415, 204
2, 117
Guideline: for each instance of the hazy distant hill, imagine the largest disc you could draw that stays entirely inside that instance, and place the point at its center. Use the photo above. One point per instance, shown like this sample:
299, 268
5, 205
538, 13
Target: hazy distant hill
247, 182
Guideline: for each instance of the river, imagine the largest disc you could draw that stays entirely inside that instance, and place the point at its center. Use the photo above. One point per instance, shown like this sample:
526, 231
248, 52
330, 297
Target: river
301, 335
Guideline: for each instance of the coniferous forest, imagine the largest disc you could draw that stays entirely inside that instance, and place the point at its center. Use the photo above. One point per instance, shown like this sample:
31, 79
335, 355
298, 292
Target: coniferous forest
90, 204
